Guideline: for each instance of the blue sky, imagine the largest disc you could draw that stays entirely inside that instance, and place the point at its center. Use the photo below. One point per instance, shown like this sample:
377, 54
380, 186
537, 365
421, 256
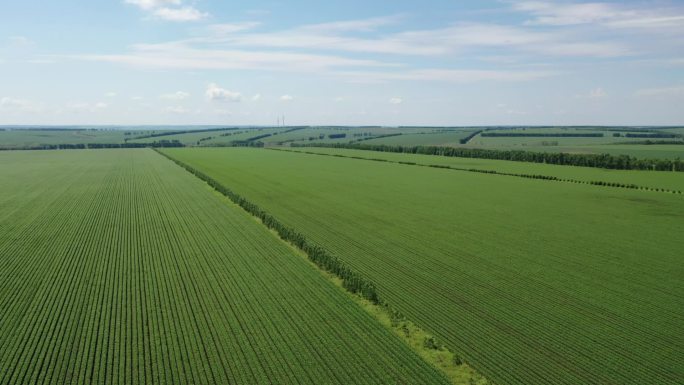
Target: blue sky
397, 62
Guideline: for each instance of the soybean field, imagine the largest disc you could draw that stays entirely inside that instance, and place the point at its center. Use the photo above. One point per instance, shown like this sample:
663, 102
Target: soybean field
118, 266
531, 281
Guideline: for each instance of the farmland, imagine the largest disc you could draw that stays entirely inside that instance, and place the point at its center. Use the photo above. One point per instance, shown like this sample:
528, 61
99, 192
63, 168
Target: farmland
25, 138
531, 281
117, 266
657, 180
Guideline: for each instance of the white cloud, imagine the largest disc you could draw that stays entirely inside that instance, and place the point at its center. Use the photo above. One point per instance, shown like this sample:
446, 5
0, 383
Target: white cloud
13, 103
110, 94
178, 95
662, 91
256, 97
339, 99
396, 100
228, 28
170, 10
137, 98
286, 98
181, 56
216, 93
614, 15
101, 105
360, 25
441, 41
151, 4
548, 13
180, 14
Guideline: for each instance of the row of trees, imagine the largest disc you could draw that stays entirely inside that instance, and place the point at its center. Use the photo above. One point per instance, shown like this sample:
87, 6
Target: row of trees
352, 281
656, 135
378, 137
618, 162
83, 146
542, 134
472, 135
650, 142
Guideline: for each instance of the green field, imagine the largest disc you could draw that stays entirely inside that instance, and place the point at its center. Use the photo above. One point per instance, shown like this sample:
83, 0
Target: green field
117, 266
532, 281
425, 139
28, 138
652, 179
607, 144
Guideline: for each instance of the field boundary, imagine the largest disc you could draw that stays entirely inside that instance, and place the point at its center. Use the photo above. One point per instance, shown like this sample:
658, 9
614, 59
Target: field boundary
363, 291
493, 172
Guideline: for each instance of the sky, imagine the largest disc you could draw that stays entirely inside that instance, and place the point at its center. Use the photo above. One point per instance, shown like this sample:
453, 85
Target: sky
399, 62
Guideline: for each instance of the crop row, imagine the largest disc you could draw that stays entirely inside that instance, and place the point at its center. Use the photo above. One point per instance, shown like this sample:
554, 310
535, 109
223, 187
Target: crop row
119, 267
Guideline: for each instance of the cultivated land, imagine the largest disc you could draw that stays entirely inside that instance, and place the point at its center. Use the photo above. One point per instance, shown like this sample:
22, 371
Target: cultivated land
117, 266
656, 180
532, 281
35, 137
611, 140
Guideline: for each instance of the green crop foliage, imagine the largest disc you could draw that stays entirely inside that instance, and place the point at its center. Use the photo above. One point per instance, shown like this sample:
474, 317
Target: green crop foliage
666, 180
118, 266
530, 281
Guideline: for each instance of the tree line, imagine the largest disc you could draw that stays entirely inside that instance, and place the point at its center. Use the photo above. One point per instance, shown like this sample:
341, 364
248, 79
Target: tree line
84, 146
616, 162
656, 135
542, 134
351, 280
472, 135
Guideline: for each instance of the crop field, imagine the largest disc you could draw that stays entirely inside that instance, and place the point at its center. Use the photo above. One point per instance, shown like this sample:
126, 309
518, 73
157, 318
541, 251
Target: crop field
118, 266
451, 138
608, 143
26, 138
656, 180
531, 281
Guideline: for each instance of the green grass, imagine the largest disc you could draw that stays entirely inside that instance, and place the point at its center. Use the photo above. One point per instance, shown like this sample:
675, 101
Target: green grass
117, 266
531, 281
652, 179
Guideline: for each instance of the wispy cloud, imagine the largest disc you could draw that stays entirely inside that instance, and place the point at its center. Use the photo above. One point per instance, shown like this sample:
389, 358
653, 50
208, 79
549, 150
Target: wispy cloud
182, 56
180, 14
152, 4
614, 15
286, 98
178, 95
171, 10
